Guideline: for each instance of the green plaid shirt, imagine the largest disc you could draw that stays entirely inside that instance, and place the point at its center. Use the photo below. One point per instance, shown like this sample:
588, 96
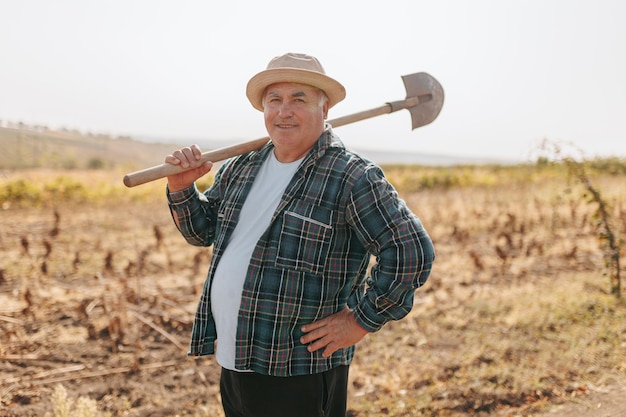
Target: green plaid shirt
312, 260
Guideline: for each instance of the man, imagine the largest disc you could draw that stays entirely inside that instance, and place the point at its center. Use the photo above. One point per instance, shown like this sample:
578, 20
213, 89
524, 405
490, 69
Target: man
293, 227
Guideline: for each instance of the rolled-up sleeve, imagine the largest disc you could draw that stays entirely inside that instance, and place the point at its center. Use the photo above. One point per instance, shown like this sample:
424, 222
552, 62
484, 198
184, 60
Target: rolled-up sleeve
193, 215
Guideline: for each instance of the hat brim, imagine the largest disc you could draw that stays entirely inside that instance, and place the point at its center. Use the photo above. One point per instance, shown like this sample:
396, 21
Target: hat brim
255, 89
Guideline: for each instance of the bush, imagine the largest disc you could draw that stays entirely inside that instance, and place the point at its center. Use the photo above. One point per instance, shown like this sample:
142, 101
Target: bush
20, 191
95, 163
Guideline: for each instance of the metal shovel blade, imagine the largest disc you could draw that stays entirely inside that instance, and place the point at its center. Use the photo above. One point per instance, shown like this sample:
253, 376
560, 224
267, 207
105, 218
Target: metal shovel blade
430, 94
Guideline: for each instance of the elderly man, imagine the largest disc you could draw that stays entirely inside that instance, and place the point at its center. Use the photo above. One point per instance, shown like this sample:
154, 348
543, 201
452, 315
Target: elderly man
293, 227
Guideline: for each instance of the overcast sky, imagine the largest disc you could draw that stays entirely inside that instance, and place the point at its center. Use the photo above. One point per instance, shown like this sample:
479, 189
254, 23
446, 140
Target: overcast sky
514, 72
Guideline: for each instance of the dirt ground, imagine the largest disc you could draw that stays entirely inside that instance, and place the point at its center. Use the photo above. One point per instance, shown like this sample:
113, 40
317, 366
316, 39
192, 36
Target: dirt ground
101, 301
105, 313
603, 401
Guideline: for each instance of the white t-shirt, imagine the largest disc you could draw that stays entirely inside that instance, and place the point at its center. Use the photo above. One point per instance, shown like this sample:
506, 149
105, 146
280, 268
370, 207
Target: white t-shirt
255, 217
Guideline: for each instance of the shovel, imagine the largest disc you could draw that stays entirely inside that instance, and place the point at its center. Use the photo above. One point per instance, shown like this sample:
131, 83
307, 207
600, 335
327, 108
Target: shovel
424, 99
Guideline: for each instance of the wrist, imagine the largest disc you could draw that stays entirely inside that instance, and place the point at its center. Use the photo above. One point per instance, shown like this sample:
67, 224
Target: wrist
174, 187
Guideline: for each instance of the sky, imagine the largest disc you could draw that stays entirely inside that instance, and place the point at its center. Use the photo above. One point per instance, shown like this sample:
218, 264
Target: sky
514, 73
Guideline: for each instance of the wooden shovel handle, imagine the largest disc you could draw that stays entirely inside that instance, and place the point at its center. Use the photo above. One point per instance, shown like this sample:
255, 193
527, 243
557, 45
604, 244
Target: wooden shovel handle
163, 170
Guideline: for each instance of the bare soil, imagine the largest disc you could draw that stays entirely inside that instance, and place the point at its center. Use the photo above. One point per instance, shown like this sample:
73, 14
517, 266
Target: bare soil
108, 318
608, 400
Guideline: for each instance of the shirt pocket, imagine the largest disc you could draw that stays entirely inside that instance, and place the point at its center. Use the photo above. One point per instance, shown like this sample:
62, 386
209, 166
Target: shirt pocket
305, 238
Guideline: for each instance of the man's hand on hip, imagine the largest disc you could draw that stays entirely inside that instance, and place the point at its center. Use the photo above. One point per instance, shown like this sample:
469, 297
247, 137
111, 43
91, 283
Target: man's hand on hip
332, 333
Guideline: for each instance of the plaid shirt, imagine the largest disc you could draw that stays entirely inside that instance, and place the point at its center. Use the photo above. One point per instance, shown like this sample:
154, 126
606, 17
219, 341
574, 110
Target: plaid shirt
312, 260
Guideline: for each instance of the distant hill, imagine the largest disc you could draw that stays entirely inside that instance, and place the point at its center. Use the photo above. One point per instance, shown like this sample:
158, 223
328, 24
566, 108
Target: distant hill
31, 148
37, 147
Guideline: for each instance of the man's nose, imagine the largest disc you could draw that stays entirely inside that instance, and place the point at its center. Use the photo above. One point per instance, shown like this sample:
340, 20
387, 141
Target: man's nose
285, 109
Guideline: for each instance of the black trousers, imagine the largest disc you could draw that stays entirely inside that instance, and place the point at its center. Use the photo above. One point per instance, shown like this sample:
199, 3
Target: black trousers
248, 394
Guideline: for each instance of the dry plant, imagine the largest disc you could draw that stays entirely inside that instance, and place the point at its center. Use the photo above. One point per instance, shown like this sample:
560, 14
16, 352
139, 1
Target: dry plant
608, 235
63, 406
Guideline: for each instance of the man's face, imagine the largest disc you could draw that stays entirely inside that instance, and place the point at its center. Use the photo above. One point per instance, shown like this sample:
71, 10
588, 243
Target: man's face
294, 118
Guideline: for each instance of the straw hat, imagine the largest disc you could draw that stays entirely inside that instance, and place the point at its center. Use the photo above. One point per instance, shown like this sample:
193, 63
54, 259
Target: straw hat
294, 68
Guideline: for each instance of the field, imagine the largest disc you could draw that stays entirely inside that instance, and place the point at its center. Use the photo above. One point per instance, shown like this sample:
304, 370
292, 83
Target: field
519, 318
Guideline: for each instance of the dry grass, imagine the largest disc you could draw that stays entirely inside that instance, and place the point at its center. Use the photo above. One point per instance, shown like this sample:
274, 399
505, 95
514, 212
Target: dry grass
99, 294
